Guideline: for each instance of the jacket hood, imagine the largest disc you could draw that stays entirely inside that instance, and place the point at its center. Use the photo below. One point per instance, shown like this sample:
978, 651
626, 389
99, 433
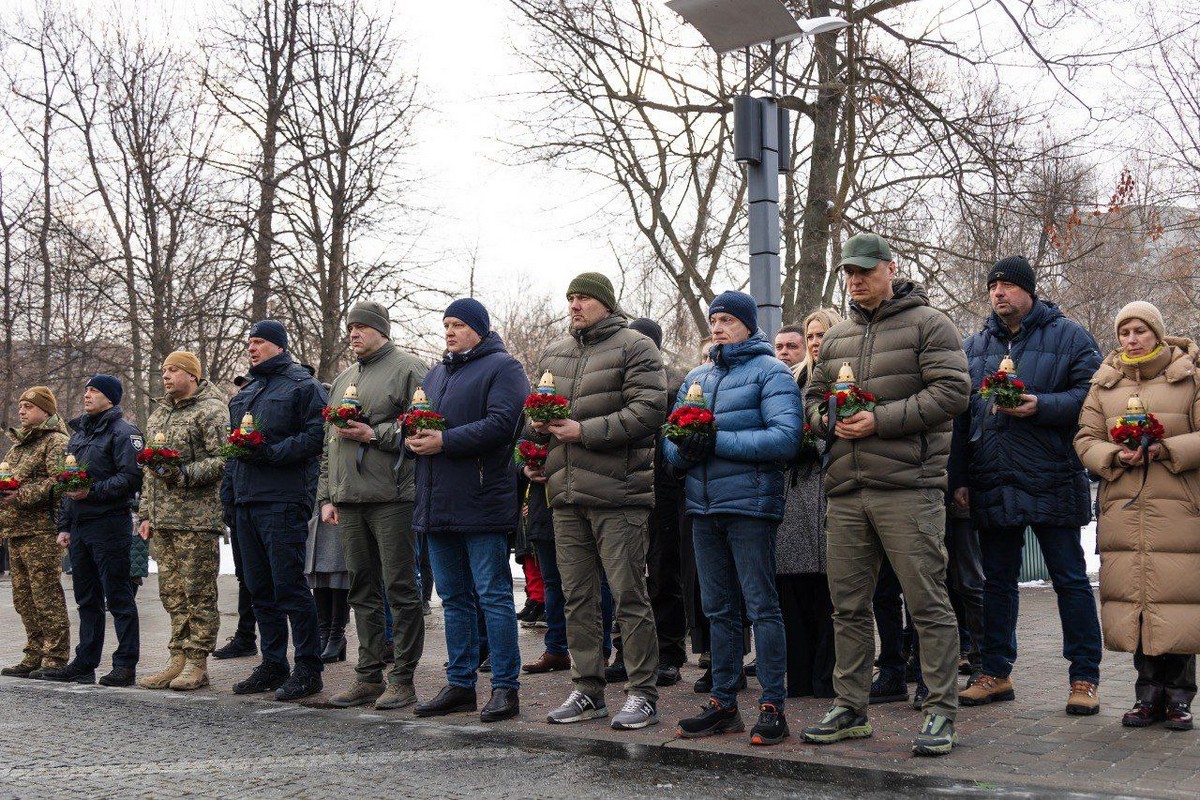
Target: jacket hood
730, 355
207, 391
906, 294
602, 329
19, 435
274, 364
1181, 363
1041, 315
492, 343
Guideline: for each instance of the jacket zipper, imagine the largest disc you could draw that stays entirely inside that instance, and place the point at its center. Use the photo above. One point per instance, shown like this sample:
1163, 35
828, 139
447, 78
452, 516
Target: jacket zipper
704, 466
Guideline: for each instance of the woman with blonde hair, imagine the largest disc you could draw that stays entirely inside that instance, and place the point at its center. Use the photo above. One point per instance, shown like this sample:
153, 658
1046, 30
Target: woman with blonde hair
800, 549
1149, 528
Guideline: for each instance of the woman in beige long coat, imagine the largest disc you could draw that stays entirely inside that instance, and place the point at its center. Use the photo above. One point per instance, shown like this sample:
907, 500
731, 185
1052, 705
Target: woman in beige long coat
1149, 528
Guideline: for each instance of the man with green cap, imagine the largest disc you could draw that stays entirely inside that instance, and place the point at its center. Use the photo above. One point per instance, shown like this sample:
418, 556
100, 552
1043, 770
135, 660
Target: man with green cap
599, 477
886, 483
366, 487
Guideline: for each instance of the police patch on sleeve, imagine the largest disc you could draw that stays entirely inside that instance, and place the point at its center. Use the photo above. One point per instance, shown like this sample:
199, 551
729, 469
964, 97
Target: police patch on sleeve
137, 441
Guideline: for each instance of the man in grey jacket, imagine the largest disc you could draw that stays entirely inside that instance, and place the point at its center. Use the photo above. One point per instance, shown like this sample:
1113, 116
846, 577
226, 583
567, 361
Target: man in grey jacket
600, 471
367, 489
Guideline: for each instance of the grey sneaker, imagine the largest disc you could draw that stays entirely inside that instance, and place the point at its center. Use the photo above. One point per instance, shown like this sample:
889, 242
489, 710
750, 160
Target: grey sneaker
937, 737
638, 712
577, 708
396, 695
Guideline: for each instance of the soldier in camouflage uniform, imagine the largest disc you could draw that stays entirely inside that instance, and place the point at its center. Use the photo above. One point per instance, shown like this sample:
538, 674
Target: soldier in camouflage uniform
181, 509
27, 522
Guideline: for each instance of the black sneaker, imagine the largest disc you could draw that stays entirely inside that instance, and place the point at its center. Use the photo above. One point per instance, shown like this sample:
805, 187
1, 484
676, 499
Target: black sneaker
772, 727
120, 676
303, 682
888, 687
71, 673
485, 665
667, 675
523, 614
840, 723
713, 719
536, 612
920, 694
616, 672
236, 647
751, 669
265, 678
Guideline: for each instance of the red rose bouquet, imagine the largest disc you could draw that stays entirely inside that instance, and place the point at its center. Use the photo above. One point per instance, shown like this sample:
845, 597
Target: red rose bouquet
545, 404
244, 440
692, 416
1137, 428
159, 455
847, 397
72, 477
8, 483
345, 412
1002, 386
529, 454
422, 417
809, 438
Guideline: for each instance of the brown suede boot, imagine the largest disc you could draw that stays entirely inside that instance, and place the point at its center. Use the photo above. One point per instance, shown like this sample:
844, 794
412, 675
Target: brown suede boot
1084, 700
194, 675
987, 689
548, 662
163, 679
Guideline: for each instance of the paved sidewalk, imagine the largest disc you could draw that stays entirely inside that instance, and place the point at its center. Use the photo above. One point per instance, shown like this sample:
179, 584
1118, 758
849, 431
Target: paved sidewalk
1028, 743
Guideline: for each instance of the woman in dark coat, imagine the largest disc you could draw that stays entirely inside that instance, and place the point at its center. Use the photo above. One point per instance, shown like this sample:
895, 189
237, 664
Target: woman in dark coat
800, 551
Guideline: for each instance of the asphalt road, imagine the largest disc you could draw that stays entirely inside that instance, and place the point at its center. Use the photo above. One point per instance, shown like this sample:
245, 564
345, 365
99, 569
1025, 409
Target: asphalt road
76, 741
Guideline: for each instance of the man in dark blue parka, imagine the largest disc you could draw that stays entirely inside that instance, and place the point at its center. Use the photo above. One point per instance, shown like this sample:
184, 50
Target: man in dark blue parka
270, 495
466, 502
97, 526
1022, 471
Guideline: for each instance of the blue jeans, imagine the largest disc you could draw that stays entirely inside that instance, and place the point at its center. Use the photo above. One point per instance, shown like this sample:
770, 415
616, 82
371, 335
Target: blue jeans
731, 551
556, 620
1001, 551
465, 564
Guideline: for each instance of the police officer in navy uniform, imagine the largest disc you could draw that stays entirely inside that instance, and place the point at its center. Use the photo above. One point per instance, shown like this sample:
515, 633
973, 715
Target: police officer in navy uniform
271, 493
96, 524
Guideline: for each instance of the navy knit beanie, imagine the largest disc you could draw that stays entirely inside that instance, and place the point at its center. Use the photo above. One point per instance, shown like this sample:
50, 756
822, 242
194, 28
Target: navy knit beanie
107, 385
270, 330
472, 312
738, 304
1014, 270
649, 328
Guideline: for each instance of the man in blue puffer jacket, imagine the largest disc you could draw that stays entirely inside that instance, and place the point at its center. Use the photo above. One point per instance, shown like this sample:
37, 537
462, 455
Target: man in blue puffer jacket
466, 502
1021, 470
734, 488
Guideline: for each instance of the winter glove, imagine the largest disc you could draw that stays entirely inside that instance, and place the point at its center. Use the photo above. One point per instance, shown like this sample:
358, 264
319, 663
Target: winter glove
696, 447
170, 475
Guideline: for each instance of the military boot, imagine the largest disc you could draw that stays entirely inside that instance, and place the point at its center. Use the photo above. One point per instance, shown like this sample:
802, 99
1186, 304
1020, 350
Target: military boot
163, 679
28, 664
194, 675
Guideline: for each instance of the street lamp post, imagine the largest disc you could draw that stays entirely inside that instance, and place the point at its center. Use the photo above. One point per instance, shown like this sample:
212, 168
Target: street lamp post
761, 129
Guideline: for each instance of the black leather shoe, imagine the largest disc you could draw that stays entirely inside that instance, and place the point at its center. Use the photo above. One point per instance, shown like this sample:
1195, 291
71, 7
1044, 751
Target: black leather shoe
237, 647
264, 678
71, 673
303, 682
888, 687
616, 672
449, 700
120, 676
667, 675
335, 647
704, 685
502, 705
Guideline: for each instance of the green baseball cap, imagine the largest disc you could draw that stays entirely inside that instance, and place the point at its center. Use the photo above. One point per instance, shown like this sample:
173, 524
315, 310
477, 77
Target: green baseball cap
865, 250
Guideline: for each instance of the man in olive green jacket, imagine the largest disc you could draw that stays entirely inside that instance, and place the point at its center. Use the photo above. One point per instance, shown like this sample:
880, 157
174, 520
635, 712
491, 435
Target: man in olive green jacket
366, 487
180, 507
600, 481
886, 483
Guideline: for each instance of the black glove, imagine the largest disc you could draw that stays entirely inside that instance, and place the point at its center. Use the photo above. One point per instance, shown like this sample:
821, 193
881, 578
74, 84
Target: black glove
696, 447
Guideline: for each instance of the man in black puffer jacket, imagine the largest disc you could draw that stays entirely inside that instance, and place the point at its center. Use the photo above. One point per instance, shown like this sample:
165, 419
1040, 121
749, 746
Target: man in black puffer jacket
269, 494
1022, 470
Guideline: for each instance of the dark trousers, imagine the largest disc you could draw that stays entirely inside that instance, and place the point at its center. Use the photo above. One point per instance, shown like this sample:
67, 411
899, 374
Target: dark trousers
100, 577
380, 550
556, 620
1166, 678
664, 582
425, 569
965, 576
889, 620
246, 622
273, 536
1001, 551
